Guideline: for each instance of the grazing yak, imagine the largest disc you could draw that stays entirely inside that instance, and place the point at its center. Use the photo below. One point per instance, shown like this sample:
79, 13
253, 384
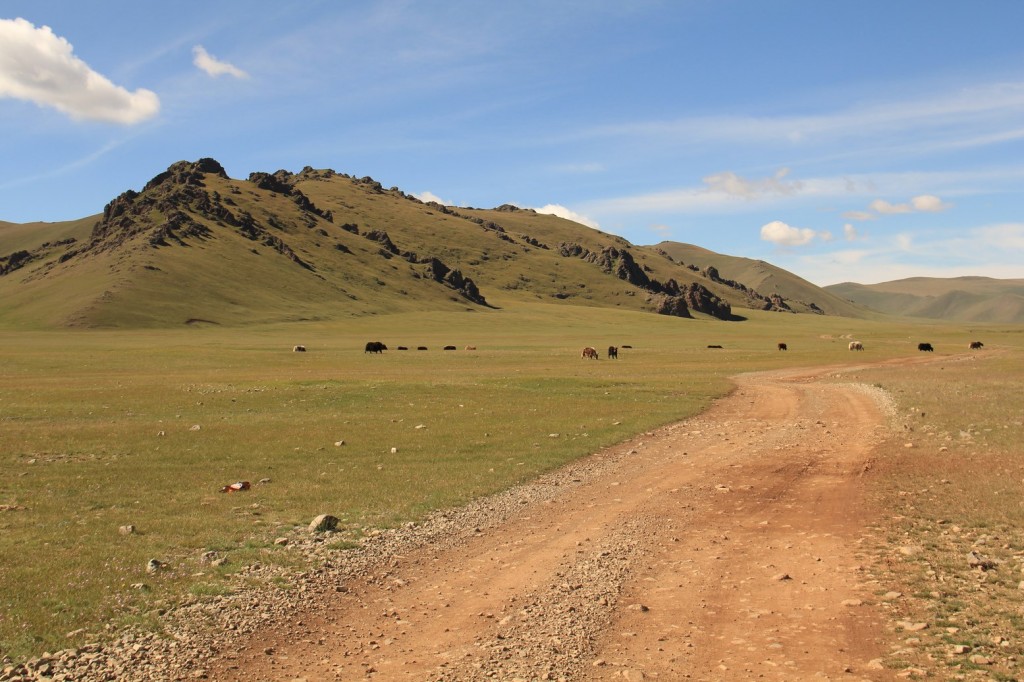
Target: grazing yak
375, 347
976, 345
856, 345
298, 349
625, 346
783, 346
926, 347
613, 353
449, 348
714, 345
589, 352
402, 348
421, 347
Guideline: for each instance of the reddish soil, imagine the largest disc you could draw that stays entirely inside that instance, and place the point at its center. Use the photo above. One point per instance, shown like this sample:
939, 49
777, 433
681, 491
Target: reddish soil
725, 547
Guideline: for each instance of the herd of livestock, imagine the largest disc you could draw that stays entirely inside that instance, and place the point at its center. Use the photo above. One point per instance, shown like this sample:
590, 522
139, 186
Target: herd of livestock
613, 351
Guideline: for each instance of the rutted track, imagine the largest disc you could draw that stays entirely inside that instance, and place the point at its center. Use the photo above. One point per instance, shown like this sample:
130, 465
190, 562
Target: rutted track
723, 547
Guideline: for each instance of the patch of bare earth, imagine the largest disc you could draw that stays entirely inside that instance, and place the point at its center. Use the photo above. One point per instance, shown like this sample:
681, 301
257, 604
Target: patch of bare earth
723, 547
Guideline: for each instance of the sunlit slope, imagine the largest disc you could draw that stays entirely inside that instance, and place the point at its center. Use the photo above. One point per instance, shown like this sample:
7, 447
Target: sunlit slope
960, 299
197, 247
799, 294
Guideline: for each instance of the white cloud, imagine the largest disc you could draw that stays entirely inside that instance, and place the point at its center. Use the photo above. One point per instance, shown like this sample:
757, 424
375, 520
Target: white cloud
563, 212
850, 232
38, 66
731, 184
923, 203
213, 66
885, 208
427, 197
782, 234
929, 204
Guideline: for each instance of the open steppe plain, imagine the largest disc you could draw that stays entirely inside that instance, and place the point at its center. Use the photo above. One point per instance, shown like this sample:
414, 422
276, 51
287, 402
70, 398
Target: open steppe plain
514, 511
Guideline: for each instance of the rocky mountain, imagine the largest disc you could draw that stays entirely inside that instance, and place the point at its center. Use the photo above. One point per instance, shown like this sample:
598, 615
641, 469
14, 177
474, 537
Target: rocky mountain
195, 246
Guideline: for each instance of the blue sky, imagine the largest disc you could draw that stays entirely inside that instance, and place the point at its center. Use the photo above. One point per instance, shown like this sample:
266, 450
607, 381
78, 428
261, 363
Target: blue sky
856, 141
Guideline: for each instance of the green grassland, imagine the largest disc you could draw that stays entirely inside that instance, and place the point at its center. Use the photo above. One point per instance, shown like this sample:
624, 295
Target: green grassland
97, 431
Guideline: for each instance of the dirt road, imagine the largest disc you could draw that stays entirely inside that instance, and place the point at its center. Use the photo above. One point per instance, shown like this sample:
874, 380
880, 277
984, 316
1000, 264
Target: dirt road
723, 547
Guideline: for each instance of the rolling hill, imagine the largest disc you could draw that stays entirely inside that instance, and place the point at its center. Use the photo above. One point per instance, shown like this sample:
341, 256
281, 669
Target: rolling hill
197, 247
960, 299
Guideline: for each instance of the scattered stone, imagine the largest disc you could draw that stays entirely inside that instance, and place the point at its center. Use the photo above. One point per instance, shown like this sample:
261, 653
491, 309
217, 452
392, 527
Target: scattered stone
852, 602
779, 577
338, 443
154, 565
394, 451
889, 596
961, 649
976, 560
195, 427
978, 659
127, 529
910, 626
323, 523
281, 542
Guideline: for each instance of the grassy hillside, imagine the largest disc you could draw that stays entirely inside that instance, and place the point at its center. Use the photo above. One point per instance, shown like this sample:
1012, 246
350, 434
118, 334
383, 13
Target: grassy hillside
197, 247
961, 299
767, 279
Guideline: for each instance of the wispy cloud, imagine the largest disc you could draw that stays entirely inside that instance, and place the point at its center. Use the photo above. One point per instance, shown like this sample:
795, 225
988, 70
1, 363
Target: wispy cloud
976, 116
38, 66
731, 184
580, 168
995, 250
214, 67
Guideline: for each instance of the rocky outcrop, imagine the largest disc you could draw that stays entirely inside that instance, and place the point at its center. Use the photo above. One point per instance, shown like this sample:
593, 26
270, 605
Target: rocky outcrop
387, 246
283, 182
439, 272
675, 299
14, 261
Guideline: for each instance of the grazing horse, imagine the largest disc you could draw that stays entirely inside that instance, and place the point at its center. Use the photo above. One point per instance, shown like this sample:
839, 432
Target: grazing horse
613, 353
926, 347
976, 345
782, 346
589, 352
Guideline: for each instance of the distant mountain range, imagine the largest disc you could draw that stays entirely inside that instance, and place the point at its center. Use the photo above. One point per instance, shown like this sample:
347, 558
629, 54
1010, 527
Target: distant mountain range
197, 247
960, 299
